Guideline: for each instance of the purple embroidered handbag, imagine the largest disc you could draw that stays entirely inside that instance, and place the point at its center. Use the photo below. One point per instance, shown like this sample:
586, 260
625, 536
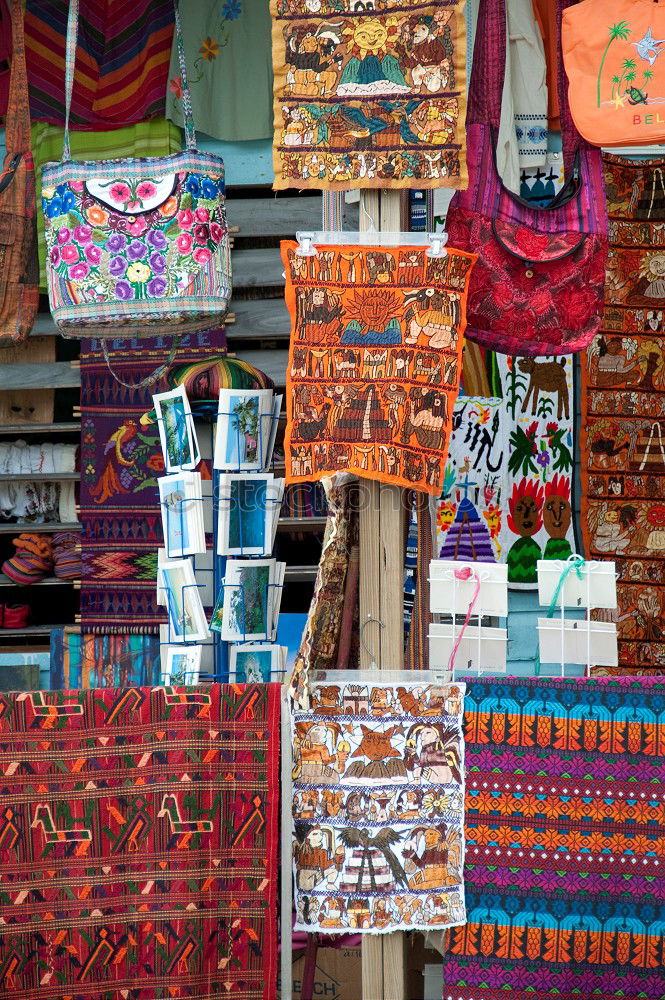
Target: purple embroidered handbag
136, 246
537, 287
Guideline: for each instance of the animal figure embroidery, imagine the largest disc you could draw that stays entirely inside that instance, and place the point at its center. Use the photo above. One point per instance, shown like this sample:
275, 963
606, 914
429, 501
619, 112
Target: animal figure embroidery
188, 828
546, 376
52, 835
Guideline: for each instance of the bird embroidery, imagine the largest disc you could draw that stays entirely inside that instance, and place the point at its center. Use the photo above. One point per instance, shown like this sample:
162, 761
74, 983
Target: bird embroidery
372, 847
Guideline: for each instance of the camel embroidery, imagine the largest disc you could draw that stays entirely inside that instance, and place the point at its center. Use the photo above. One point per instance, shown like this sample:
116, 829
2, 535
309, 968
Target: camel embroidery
546, 376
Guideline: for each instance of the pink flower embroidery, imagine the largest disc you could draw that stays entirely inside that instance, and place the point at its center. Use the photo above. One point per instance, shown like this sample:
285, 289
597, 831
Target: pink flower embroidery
78, 271
202, 214
202, 255
64, 235
216, 232
69, 253
76, 185
133, 206
184, 243
120, 192
93, 254
175, 85
185, 218
82, 234
138, 227
146, 189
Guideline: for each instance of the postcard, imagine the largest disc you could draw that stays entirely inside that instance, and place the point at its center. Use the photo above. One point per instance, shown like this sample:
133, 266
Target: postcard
182, 514
176, 430
276, 410
183, 665
248, 513
245, 607
257, 663
187, 622
243, 429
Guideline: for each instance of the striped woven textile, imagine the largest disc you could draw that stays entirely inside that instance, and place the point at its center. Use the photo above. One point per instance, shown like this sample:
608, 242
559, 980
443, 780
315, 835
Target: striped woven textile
122, 61
154, 138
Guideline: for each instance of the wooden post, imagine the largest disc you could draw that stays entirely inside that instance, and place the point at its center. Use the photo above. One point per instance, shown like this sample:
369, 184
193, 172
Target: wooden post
381, 592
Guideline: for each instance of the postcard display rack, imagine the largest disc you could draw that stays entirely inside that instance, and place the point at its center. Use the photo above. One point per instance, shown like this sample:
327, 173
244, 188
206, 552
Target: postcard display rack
582, 585
462, 592
198, 555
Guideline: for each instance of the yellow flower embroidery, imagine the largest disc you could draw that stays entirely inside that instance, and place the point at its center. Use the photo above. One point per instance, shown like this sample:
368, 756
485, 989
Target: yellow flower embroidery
138, 272
209, 49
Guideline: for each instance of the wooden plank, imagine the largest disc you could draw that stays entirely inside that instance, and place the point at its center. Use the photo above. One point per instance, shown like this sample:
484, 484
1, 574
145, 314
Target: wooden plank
56, 375
252, 268
283, 217
61, 375
68, 427
261, 318
381, 538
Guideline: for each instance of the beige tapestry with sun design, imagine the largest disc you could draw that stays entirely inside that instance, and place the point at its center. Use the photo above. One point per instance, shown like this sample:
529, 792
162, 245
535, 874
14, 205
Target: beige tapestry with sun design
623, 413
373, 95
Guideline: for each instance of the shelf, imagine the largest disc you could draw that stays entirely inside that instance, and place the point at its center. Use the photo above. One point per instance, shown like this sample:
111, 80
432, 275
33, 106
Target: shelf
48, 528
28, 630
301, 523
65, 428
295, 574
49, 581
39, 477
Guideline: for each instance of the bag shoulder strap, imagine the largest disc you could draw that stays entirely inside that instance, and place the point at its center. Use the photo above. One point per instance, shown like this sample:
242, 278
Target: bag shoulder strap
17, 139
70, 61
489, 68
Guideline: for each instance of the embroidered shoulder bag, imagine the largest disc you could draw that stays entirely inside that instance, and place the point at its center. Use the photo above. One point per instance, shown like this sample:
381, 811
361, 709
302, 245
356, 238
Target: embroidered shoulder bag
611, 52
136, 246
19, 298
537, 287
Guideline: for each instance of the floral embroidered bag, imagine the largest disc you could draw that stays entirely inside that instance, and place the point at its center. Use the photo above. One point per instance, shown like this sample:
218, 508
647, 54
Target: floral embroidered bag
537, 288
136, 246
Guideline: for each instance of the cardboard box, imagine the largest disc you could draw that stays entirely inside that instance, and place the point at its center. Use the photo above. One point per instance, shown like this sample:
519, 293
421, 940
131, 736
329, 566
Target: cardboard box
338, 974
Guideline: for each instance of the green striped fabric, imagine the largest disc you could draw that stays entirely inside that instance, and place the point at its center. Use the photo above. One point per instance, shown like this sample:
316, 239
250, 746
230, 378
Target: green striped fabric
156, 137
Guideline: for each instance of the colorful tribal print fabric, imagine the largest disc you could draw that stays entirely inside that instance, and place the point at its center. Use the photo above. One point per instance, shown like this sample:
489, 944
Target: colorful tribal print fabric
538, 396
565, 841
507, 491
369, 94
375, 360
122, 61
623, 408
121, 459
138, 843
378, 801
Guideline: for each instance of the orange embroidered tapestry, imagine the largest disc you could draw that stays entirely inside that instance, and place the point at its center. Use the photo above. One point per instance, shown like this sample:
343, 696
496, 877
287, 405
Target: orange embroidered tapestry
375, 361
370, 95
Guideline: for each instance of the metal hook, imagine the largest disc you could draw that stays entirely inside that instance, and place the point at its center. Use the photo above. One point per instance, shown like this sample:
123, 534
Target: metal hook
373, 664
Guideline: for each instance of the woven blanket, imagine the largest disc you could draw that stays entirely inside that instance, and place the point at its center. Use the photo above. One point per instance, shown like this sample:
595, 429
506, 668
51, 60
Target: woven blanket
122, 61
120, 463
565, 841
94, 661
138, 843
375, 362
623, 402
369, 99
